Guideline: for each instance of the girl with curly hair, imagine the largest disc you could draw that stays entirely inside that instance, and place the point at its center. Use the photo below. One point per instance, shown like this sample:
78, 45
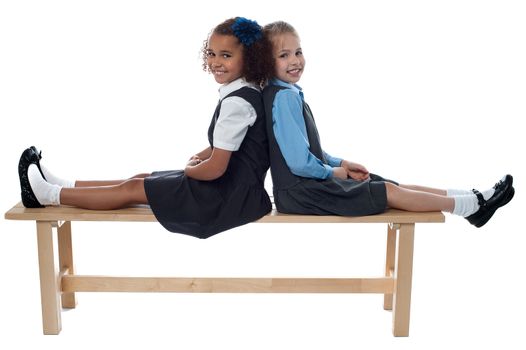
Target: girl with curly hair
222, 186
307, 180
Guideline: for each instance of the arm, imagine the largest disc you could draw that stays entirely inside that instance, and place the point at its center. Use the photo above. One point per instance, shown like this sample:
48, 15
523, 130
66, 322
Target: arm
199, 157
234, 119
205, 154
291, 135
211, 168
333, 161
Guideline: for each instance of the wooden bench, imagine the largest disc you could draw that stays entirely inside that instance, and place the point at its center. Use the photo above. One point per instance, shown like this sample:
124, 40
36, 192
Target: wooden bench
59, 284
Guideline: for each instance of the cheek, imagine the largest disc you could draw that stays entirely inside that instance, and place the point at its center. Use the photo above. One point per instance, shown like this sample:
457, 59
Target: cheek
240, 65
237, 65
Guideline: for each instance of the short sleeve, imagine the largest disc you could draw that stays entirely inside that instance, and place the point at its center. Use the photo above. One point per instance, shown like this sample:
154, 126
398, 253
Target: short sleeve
235, 117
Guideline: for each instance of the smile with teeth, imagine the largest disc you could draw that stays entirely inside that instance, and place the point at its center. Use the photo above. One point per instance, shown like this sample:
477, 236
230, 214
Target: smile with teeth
294, 71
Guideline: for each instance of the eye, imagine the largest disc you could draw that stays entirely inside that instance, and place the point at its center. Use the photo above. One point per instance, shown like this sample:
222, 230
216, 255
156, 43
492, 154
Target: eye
210, 54
299, 53
226, 55
284, 55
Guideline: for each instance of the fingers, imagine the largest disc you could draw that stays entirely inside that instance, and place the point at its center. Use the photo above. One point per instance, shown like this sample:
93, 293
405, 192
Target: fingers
358, 175
340, 173
194, 161
362, 169
351, 166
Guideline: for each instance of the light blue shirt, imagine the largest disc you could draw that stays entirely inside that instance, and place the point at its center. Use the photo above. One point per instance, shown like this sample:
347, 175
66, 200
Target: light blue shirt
291, 134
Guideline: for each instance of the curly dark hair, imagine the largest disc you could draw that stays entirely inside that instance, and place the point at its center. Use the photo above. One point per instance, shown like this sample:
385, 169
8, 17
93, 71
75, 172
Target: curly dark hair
258, 64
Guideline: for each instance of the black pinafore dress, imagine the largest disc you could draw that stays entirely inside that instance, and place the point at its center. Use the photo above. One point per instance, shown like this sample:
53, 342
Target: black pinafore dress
205, 208
333, 196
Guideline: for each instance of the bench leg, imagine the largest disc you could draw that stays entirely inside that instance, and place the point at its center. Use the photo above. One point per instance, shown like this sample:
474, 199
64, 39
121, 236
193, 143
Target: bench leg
403, 280
65, 255
49, 279
390, 262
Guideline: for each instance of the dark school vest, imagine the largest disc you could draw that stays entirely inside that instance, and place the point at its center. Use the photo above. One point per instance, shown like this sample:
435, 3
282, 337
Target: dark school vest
250, 162
282, 177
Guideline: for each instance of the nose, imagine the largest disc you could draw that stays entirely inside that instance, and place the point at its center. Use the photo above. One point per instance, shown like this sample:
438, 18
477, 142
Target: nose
214, 62
295, 61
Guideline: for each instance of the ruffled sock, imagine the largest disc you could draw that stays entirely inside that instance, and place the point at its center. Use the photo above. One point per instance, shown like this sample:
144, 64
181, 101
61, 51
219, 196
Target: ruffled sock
465, 205
55, 180
45, 193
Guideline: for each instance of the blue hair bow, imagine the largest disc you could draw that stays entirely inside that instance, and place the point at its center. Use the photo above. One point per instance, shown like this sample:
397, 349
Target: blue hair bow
246, 30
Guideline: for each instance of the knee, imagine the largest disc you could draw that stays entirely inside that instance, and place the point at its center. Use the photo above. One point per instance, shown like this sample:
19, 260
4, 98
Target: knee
390, 189
133, 188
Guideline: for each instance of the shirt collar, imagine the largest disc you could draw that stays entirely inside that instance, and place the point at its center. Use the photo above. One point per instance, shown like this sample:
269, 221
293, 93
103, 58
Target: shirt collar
294, 87
226, 89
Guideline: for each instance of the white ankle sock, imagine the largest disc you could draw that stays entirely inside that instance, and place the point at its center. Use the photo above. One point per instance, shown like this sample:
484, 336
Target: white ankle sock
46, 193
52, 179
465, 205
486, 194
454, 192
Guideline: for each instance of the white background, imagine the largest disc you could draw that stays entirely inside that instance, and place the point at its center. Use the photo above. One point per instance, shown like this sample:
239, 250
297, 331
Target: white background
430, 93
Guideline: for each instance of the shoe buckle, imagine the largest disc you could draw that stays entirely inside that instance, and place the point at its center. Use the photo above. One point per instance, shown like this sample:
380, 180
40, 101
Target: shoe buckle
480, 197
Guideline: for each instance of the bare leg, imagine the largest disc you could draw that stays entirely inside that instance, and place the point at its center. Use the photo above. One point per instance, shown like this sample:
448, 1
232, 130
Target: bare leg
99, 183
106, 197
406, 199
425, 189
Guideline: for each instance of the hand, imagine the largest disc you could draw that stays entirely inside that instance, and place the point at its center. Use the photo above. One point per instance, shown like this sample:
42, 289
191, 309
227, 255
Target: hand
194, 160
339, 172
355, 171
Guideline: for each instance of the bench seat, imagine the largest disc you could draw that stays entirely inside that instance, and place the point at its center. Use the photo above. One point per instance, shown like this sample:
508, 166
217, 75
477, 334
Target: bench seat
144, 214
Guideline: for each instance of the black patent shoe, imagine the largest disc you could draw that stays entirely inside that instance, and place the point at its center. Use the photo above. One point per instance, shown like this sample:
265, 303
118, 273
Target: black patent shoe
504, 193
28, 157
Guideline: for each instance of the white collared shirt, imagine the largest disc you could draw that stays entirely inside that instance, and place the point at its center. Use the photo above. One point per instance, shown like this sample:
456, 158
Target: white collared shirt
235, 117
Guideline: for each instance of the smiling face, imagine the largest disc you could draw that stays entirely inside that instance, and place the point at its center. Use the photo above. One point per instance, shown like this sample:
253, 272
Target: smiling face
288, 57
224, 57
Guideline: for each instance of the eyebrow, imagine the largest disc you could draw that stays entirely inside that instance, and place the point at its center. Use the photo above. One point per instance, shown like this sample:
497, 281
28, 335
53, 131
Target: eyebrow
288, 50
220, 51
